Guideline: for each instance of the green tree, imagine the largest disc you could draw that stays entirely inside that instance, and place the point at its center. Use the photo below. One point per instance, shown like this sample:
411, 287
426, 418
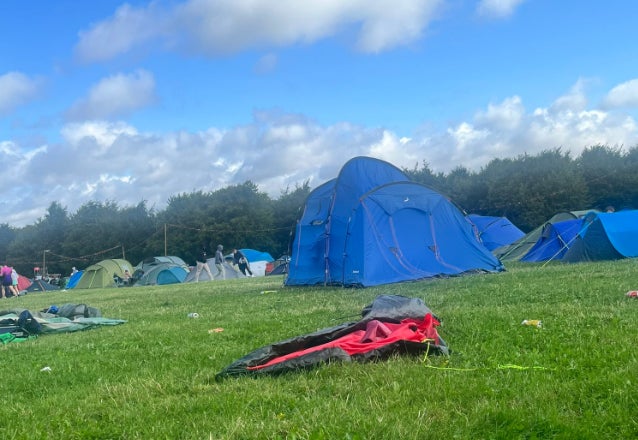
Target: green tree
287, 210
530, 189
609, 175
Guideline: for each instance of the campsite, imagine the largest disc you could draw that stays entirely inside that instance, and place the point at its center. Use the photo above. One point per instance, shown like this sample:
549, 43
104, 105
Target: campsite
155, 375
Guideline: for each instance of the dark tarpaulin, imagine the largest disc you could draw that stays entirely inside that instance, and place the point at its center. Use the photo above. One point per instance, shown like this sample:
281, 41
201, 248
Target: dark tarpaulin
391, 324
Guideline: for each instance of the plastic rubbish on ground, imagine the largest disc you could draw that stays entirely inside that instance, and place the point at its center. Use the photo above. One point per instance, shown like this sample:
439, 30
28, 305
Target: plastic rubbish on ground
193, 315
263, 292
533, 323
46, 369
215, 330
632, 294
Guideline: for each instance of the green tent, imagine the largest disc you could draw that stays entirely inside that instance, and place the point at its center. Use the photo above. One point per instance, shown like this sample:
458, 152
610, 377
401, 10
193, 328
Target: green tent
103, 274
518, 249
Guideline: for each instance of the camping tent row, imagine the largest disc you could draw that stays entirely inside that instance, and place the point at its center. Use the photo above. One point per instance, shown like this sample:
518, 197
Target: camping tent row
590, 236
158, 271
371, 225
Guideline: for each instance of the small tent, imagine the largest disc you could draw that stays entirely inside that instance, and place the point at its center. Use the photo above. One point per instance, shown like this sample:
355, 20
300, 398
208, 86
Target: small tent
162, 273
23, 283
41, 286
372, 226
555, 240
495, 232
168, 272
103, 274
520, 247
605, 236
149, 262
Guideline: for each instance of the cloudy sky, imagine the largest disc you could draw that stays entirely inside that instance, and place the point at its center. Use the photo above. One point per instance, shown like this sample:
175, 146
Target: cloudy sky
112, 101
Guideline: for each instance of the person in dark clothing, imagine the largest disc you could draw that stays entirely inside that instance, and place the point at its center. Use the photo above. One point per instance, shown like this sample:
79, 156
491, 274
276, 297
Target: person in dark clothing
202, 256
241, 261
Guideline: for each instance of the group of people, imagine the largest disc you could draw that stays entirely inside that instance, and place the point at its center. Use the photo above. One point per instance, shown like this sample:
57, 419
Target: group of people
9, 278
239, 260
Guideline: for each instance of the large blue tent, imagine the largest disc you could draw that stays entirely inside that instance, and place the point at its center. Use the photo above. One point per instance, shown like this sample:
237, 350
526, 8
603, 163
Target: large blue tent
372, 225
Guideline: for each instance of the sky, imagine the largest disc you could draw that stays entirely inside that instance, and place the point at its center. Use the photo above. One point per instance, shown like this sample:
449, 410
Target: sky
143, 100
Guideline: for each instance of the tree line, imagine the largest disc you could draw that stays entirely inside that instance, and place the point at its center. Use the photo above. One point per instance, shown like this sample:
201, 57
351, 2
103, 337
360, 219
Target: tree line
526, 189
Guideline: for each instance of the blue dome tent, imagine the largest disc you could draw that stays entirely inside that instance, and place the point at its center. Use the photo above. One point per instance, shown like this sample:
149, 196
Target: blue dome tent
372, 225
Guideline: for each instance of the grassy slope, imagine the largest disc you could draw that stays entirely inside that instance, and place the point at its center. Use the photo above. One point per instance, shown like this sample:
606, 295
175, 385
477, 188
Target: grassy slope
153, 377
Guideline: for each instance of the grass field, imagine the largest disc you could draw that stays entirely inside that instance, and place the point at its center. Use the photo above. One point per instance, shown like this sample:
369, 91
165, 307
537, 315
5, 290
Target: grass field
154, 376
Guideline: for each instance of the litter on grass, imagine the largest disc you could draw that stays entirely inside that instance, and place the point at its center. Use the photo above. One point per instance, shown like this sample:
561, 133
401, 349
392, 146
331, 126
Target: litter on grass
632, 294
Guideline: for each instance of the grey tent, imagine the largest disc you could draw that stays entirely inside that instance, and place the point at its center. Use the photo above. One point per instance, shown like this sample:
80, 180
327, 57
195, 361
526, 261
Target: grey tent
203, 276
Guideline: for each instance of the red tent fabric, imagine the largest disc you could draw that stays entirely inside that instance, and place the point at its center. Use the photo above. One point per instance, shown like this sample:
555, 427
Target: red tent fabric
23, 282
391, 324
377, 334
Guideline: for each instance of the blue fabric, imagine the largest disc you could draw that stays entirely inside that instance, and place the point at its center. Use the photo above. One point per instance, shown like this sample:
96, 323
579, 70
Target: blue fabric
373, 226
73, 280
606, 236
555, 240
495, 232
253, 255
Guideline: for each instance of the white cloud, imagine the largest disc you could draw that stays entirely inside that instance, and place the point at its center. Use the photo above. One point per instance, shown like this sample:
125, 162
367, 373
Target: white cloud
227, 26
101, 160
574, 100
498, 8
16, 89
624, 95
115, 96
128, 29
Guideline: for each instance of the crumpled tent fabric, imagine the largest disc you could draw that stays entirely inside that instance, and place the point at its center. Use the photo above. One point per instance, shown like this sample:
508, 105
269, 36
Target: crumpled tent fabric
22, 323
391, 324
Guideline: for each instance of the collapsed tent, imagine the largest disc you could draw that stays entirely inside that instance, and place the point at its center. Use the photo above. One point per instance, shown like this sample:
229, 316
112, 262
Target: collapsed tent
392, 324
104, 274
495, 232
520, 247
22, 324
605, 236
372, 226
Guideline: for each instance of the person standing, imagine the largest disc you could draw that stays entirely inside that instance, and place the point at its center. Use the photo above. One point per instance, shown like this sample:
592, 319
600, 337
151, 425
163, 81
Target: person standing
219, 262
5, 278
14, 282
242, 262
201, 263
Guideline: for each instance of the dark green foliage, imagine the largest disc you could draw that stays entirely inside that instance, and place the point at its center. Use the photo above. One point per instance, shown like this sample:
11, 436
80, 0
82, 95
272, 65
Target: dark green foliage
526, 189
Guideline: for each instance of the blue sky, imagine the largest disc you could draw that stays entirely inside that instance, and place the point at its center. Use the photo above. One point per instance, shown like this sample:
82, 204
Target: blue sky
143, 100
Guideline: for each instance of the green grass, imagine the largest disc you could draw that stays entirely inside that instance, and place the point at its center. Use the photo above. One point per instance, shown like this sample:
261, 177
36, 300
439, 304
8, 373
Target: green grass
154, 377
